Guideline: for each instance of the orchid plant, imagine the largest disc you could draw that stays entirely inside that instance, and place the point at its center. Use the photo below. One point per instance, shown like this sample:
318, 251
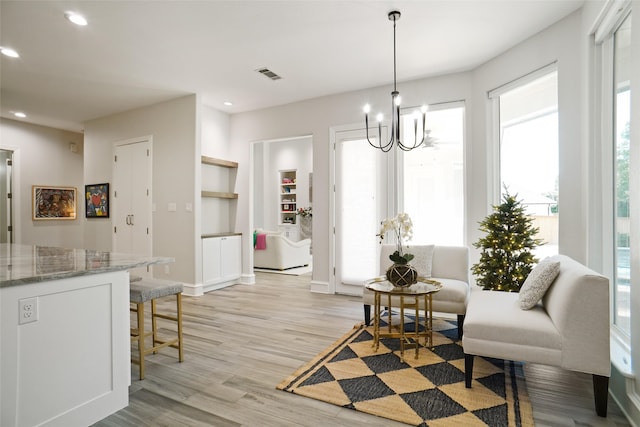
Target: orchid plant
402, 228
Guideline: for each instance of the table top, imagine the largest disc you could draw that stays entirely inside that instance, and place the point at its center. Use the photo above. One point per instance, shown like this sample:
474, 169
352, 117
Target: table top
24, 264
423, 287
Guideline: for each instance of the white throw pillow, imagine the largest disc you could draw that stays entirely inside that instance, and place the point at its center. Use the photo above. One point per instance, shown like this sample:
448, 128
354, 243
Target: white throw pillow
423, 259
537, 282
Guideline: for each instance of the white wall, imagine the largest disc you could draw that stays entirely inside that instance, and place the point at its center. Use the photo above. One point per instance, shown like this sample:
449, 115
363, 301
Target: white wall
173, 127
42, 157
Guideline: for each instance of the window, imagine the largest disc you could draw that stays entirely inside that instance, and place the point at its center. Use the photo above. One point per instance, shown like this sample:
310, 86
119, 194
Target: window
433, 178
528, 135
622, 196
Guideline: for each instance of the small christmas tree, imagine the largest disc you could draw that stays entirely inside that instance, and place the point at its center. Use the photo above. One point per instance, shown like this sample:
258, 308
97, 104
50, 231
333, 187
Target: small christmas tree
506, 259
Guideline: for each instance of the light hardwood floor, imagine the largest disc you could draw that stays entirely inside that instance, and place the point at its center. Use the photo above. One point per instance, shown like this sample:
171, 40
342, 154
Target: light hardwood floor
241, 341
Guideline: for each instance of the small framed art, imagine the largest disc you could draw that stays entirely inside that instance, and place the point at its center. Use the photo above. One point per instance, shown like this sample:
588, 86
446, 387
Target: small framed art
53, 202
97, 200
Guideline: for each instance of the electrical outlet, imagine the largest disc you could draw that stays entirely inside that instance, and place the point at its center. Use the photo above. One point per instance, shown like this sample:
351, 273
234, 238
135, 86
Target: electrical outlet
27, 310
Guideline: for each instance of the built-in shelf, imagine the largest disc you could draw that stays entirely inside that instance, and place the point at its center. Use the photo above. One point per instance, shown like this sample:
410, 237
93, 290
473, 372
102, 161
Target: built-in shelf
218, 162
219, 195
288, 197
212, 161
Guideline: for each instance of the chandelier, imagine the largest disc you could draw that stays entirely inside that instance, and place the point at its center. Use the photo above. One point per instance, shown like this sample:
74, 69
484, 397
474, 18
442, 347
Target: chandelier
395, 112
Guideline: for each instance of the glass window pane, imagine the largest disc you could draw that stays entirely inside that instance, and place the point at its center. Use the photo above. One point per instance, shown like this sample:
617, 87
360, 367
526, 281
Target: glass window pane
358, 217
529, 154
622, 121
433, 193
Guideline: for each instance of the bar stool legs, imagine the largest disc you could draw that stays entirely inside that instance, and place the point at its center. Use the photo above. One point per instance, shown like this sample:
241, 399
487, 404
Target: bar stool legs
151, 290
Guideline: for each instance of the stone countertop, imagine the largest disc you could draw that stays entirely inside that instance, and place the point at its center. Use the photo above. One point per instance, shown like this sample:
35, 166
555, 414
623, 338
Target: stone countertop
22, 264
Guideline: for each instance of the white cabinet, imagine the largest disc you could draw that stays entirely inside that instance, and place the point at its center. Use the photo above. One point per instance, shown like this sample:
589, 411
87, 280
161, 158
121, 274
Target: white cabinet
221, 261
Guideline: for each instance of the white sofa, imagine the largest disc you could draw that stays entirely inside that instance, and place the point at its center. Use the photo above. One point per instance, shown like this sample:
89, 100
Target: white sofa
449, 266
281, 253
568, 328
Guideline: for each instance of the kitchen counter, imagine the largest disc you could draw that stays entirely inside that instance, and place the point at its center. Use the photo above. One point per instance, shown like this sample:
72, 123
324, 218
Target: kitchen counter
21, 264
65, 334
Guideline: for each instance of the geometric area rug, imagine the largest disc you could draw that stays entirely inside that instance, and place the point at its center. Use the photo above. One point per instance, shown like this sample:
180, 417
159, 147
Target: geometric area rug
428, 391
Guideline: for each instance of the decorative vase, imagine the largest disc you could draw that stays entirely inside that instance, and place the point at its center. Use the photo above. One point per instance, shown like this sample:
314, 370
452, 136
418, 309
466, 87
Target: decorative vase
402, 275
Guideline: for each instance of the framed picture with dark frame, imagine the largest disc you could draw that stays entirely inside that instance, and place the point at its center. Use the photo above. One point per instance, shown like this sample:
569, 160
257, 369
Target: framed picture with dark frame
53, 202
97, 200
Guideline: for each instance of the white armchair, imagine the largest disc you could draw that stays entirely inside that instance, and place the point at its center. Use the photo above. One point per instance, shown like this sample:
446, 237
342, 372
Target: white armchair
281, 253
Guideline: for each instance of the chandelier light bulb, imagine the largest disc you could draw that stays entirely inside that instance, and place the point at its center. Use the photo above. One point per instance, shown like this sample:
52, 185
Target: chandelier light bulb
398, 100
424, 109
367, 108
380, 117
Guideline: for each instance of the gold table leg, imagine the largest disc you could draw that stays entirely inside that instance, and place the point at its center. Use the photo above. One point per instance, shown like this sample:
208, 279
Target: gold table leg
376, 320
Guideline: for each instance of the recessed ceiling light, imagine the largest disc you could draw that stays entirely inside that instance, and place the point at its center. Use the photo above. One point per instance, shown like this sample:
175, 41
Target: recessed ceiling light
9, 52
20, 114
75, 18
228, 103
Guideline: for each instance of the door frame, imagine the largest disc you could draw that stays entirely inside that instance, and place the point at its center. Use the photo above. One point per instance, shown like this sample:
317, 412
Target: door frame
391, 201
15, 192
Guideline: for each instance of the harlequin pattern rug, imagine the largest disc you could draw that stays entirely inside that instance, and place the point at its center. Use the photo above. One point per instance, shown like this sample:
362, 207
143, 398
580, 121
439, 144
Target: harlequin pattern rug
428, 391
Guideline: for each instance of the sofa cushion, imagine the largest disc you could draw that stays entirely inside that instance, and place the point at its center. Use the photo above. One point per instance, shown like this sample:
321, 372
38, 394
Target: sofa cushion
537, 282
494, 316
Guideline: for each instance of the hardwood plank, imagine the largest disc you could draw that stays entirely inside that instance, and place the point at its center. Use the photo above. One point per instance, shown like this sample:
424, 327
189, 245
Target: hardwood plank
241, 341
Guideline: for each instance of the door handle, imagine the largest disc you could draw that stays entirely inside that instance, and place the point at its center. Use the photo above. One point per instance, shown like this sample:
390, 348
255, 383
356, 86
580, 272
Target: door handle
131, 221
127, 220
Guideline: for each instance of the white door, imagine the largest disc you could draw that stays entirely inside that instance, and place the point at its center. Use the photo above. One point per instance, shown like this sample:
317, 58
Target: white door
132, 198
361, 202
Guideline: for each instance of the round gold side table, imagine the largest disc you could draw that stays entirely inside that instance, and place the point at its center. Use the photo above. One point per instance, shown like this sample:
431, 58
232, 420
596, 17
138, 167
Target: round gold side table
409, 297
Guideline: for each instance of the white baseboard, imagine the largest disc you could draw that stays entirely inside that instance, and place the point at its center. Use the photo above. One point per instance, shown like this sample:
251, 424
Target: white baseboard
248, 279
192, 290
319, 287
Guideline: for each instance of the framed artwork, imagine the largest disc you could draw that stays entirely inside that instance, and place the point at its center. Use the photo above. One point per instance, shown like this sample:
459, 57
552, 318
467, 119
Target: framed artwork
97, 200
53, 202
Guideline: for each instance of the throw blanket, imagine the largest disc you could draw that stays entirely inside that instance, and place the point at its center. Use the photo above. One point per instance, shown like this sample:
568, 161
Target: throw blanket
261, 241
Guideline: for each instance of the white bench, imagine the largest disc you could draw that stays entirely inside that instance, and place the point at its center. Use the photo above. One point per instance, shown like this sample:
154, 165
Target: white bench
568, 328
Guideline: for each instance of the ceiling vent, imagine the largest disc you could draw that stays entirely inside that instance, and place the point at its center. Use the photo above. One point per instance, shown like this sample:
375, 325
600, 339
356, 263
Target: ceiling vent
267, 72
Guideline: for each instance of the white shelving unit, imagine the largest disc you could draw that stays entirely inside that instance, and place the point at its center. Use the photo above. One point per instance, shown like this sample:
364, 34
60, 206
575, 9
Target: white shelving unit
288, 197
288, 204
221, 246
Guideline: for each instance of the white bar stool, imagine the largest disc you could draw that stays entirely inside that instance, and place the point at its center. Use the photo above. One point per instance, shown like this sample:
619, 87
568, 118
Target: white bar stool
141, 291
